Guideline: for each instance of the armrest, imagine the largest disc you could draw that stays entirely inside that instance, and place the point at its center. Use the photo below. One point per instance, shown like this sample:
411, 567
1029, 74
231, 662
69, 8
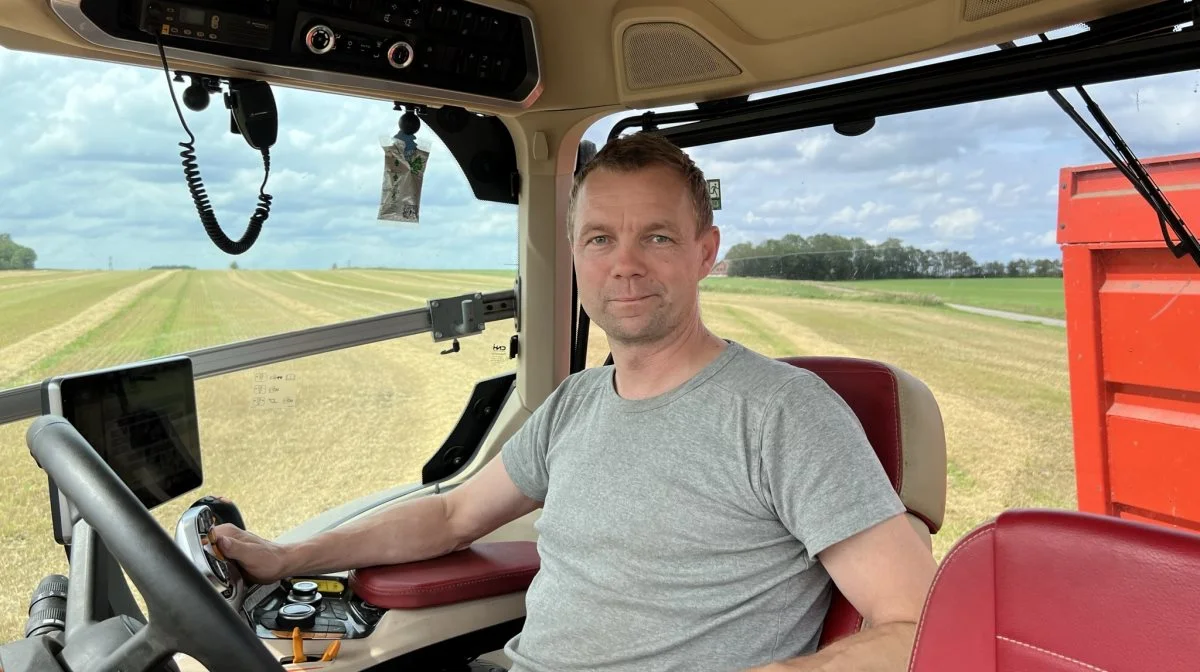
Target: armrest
481, 570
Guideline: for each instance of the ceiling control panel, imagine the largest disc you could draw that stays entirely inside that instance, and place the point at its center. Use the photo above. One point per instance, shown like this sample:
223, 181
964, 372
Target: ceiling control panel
464, 51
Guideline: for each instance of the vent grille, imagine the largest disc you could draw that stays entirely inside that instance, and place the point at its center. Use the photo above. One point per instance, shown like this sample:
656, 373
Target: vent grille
974, 10
668, 54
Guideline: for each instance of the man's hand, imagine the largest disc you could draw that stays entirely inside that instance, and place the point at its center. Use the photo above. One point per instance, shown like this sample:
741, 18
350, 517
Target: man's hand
885, 572
261, 561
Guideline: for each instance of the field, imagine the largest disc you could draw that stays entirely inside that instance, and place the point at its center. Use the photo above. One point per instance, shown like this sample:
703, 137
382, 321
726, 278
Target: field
367, 418
1033, 296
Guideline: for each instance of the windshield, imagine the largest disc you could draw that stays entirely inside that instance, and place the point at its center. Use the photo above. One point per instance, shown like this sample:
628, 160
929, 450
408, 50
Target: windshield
113, 265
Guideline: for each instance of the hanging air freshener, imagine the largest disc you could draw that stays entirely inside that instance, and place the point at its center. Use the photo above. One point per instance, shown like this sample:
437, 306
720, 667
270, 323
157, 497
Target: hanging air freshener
404, 162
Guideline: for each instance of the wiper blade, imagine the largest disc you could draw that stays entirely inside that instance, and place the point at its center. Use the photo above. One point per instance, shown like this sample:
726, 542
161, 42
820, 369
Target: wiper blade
1127, 162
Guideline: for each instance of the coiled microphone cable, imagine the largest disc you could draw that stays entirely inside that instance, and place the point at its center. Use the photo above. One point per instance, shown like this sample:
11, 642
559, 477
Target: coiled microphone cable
191, 171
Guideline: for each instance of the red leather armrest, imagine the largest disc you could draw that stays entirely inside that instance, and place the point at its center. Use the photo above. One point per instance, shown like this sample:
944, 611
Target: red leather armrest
482, 570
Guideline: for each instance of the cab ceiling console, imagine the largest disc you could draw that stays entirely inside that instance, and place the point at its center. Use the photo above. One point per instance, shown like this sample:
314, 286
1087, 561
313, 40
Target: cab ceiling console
457, 50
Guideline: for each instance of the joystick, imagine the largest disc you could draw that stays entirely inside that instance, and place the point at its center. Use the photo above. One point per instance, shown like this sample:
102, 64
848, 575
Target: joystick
225, 510
297, 615
304, 592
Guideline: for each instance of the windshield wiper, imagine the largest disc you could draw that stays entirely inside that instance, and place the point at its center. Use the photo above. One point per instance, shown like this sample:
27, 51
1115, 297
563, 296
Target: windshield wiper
1125, 161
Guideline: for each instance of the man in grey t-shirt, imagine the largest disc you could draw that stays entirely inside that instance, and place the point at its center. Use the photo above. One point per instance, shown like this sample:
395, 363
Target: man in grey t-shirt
681, 531
696, 497
699, 500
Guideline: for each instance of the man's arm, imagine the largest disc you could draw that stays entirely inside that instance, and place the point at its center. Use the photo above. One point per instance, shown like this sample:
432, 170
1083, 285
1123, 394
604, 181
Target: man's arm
885, 572
423, 528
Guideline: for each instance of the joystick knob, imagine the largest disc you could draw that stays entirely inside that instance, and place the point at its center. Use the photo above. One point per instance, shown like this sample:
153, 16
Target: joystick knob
319, 39
297, 615
400, 55
304, 592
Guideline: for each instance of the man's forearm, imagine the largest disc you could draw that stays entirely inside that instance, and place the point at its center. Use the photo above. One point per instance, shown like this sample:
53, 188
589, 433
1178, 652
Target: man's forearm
412, 531
884, 648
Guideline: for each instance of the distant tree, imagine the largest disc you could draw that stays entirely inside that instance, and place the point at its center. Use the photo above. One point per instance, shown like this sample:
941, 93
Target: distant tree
335, 265
233, 266
993, 269
828, 257
1043, 268
14, 256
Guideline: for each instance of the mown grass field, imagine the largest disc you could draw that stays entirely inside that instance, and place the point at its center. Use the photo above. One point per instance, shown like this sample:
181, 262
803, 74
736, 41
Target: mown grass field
369, 417
1032, 296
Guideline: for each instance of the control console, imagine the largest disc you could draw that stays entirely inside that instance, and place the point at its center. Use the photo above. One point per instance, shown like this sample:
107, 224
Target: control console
463, 51
321, 607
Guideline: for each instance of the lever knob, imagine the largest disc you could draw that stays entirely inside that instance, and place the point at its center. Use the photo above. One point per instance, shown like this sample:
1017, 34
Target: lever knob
320, 39
297, 615
400, 55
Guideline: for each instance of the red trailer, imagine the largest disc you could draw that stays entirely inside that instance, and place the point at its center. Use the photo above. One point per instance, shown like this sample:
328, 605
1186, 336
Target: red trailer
1133, 322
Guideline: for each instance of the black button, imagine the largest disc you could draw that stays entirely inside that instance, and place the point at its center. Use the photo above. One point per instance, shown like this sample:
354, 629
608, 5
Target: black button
444, 57
499, 69
496, 30
483, 27
470, 64
437, 17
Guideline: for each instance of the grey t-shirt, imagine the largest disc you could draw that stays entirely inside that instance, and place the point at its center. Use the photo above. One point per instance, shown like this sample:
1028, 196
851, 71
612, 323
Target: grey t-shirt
681, 532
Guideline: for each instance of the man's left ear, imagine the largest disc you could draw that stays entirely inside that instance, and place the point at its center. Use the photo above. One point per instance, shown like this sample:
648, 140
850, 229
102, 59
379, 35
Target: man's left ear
710, 243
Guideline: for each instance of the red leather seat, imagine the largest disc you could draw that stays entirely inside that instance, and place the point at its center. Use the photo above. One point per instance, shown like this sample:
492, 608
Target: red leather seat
1063, 591
904, 425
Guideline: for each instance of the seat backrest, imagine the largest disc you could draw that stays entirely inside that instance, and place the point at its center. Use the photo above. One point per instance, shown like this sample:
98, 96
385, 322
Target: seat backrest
1064, 591
903, 423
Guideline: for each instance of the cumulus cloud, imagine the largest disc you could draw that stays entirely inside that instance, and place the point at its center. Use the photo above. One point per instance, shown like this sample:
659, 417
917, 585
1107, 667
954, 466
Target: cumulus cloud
958, 224
91, 171
982, 178
903, 224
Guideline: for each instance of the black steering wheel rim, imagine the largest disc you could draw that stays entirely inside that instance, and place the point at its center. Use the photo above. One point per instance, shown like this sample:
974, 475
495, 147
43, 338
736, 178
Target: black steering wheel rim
187, 615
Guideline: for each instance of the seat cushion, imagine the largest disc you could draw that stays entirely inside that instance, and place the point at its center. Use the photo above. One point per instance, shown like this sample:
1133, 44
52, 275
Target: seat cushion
1063, 591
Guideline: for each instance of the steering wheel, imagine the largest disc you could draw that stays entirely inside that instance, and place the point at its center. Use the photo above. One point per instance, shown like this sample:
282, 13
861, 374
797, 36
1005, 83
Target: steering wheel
190, 617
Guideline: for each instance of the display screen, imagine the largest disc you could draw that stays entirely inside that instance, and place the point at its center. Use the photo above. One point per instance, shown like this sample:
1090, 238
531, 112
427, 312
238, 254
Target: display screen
192, 16
142, 421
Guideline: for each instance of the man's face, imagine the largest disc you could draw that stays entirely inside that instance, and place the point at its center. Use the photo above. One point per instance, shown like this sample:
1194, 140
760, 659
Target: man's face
637, 256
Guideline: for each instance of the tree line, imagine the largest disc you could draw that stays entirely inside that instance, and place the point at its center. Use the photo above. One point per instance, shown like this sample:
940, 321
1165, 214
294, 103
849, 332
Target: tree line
829, 257
14, 256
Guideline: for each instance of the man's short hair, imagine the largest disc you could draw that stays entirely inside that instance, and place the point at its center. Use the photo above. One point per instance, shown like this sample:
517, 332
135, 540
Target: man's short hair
643, 150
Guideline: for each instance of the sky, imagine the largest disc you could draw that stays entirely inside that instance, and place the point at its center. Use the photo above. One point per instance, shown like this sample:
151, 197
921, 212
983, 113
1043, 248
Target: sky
90, 175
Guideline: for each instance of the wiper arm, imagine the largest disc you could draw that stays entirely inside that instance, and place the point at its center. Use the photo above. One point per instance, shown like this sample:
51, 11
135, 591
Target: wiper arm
1129, 165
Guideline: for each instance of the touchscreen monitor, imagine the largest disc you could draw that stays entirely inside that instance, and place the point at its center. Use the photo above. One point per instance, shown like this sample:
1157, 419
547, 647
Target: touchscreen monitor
141, 419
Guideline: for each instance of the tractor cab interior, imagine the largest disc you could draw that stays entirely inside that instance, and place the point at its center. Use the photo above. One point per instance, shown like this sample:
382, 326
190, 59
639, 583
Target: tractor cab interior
510, 87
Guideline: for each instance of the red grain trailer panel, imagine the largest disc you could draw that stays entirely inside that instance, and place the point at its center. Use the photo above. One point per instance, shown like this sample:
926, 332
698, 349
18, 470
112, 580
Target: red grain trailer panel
1133, 339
